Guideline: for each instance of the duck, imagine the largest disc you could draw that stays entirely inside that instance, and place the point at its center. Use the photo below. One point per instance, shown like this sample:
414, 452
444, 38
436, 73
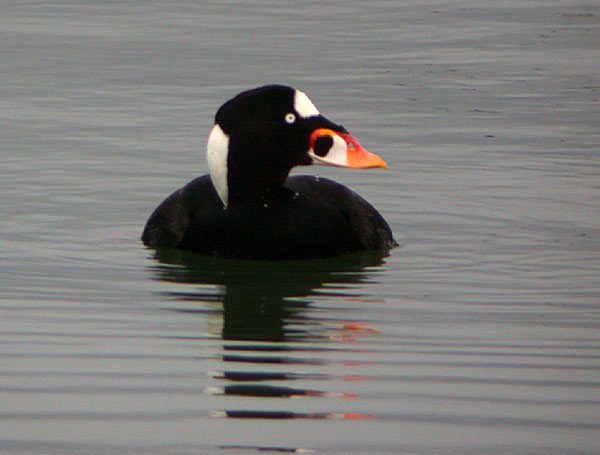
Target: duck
248, 207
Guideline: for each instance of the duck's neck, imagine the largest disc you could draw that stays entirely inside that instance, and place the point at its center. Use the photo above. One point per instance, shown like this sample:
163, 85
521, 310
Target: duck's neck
247, 181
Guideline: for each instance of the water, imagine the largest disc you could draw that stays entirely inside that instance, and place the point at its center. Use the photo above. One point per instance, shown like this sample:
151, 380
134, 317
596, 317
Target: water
478, 335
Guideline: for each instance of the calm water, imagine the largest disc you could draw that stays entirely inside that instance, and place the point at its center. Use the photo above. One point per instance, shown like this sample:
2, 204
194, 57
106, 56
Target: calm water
479, 335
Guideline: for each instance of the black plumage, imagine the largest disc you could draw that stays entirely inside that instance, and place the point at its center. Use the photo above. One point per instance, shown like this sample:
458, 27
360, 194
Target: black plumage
266, 214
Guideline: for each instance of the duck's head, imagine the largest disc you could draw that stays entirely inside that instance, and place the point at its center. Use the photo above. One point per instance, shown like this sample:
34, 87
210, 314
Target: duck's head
260, 134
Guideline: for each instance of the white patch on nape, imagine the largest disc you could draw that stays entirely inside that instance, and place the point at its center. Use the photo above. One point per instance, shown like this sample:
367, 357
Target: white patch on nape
217, 150
304, 106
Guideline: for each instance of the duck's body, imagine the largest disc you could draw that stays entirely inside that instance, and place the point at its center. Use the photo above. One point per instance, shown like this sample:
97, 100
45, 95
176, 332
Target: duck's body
308, 217
248, 208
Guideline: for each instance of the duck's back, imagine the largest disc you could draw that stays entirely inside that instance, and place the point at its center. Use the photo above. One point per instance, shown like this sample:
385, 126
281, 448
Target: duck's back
308, 217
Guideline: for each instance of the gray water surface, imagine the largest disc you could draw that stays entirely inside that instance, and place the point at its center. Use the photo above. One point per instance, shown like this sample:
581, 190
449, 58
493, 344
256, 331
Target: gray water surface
480, 334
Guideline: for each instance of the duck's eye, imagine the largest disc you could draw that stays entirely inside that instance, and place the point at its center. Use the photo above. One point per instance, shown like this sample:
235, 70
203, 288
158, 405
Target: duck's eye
290, 118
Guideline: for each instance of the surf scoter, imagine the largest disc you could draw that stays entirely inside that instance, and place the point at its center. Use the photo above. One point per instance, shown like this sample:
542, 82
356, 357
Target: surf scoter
248, 207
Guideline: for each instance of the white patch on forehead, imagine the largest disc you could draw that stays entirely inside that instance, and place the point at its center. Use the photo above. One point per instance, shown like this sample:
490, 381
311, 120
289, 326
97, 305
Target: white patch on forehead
217, 150
304, 106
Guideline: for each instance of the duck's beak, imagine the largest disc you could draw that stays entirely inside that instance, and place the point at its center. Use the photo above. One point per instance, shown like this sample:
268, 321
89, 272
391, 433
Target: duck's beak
341, 149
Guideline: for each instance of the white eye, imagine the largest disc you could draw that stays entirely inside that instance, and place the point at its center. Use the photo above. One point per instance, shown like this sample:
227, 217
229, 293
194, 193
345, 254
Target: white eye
290, 118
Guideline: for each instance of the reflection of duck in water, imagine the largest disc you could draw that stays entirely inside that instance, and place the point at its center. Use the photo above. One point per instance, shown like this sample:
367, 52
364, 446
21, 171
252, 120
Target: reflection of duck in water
248, 207
265, 305
263, 300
